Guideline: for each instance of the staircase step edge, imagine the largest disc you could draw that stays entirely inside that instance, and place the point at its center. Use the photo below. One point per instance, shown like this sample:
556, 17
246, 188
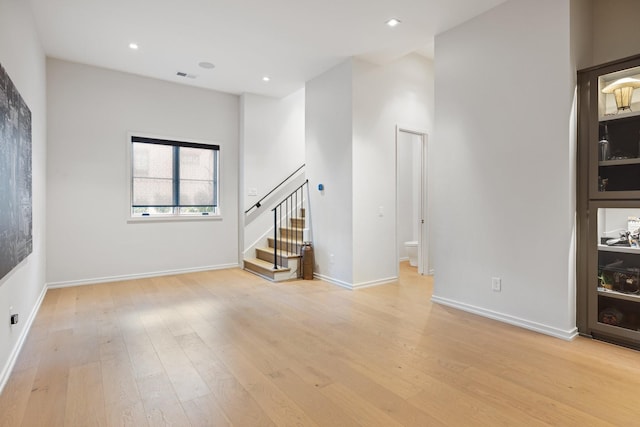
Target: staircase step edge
264, 265
283, 254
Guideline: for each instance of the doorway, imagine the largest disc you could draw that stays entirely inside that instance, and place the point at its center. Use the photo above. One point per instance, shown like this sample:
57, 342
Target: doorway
411, 198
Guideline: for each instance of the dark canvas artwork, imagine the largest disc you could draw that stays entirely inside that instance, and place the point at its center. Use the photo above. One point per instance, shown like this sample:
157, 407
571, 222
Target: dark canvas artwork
16, 240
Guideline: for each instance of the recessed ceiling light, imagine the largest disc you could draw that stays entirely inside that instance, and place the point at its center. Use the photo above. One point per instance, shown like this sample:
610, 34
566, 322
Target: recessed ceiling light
133, 46
206, 65
266, 79
393, 22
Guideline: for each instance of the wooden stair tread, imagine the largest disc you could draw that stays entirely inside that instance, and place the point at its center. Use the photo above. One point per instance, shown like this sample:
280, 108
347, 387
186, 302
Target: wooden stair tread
286, 240
264, 265
281, 252
298, 229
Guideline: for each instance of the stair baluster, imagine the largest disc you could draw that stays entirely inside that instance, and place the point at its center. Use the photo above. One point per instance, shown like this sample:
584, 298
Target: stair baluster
289, 235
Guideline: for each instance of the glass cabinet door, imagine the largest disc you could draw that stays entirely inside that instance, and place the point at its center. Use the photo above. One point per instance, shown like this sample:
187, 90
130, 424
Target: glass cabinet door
618, 136
618, 268
608, 200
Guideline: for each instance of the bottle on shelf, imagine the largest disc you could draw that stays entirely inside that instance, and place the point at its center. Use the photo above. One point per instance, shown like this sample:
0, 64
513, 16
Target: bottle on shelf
604, 151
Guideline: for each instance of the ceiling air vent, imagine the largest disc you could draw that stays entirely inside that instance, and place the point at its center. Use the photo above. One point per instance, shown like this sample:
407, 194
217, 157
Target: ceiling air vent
187, 75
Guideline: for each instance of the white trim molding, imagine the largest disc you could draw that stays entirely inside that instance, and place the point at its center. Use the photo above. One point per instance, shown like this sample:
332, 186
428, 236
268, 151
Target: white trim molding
13, 357
333, 281
93, 281
372, 283
567, 335
354, 286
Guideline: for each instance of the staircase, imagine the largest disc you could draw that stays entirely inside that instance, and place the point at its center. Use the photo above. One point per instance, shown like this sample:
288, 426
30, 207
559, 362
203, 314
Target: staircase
289, 244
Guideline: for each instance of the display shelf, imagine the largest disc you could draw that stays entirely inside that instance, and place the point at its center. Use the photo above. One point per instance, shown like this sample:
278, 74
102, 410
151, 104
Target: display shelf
627, 335
632, 161
615, 195
619, 249
618, 295
614, 117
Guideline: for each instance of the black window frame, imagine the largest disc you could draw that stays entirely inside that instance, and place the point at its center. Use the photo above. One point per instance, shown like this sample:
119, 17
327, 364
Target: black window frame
176, 205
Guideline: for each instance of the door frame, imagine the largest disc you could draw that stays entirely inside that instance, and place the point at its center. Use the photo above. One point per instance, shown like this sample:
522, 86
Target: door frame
423, 220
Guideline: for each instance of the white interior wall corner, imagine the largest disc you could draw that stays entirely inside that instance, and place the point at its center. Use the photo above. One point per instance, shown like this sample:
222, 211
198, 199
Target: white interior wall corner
502, 154
328, 156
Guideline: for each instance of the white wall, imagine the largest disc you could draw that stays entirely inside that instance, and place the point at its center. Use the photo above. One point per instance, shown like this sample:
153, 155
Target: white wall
615, 29
273, 141
91, 111
22, 57
504, 197
328, 156
398, 93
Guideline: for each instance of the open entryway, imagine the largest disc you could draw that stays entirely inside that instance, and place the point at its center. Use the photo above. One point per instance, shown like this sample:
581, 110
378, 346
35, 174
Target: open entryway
412, 232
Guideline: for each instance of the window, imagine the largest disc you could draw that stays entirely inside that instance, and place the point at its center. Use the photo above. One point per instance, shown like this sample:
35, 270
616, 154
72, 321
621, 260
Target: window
170, 178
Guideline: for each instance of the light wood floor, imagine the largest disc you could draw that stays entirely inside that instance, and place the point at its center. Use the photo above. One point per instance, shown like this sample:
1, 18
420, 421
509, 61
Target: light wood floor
227, 348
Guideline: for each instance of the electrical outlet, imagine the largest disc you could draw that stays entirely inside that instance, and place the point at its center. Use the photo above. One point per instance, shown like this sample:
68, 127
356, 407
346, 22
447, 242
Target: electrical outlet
13, 317
496, 284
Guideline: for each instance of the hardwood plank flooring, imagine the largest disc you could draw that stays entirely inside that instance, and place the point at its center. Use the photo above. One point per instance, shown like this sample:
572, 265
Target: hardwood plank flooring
227, 348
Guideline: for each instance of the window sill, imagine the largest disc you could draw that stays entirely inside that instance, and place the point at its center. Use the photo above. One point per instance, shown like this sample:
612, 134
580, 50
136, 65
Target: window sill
172, 218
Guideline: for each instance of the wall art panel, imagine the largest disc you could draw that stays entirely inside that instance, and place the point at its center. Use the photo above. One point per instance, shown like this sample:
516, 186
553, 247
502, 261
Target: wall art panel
16, 239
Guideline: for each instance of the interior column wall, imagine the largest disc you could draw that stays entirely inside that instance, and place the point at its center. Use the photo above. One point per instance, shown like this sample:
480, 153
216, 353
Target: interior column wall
505, 206
329, 159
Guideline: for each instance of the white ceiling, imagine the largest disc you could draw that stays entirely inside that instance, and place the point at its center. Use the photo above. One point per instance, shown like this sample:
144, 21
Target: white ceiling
291, 41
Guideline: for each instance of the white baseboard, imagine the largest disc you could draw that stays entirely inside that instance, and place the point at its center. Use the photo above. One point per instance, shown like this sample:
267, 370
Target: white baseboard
93, 281
333, 281
567, 335
6, 370
372, 283
354, 286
